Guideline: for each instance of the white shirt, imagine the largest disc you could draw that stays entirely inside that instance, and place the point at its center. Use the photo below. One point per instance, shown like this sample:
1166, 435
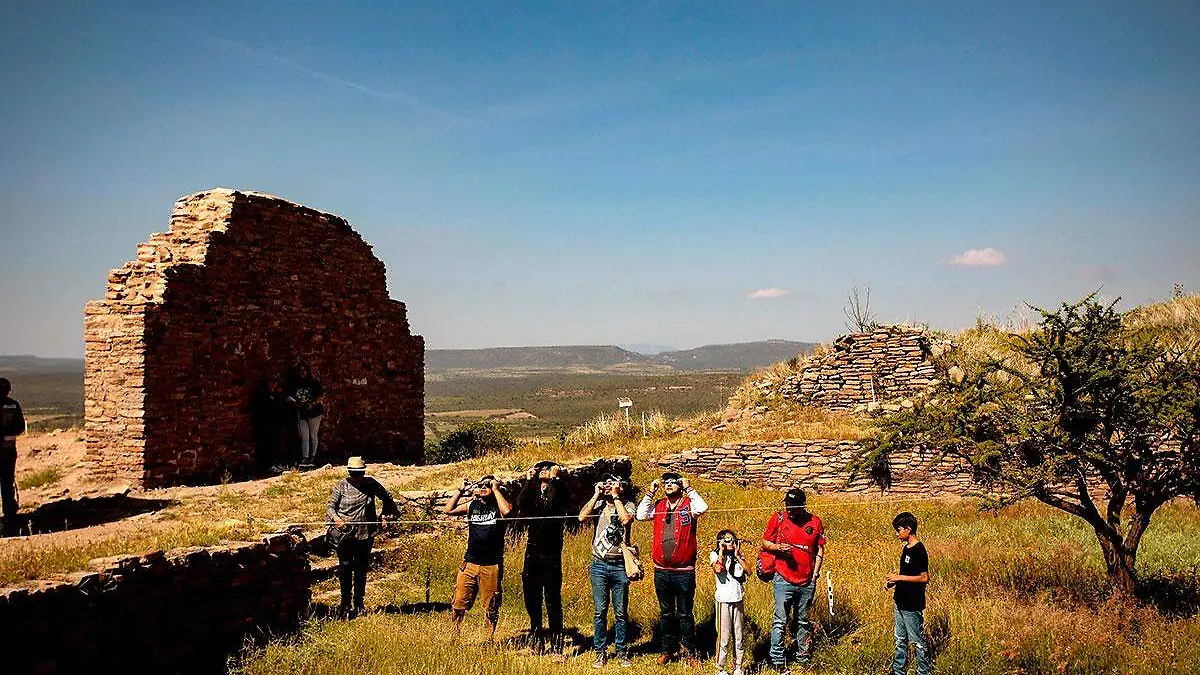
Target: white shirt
728, 588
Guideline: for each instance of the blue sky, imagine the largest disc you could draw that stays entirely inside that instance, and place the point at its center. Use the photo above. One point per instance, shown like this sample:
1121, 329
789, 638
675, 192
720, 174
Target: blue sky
600, 173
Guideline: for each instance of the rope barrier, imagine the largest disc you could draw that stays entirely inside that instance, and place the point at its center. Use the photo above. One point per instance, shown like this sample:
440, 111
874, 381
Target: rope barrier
822, 507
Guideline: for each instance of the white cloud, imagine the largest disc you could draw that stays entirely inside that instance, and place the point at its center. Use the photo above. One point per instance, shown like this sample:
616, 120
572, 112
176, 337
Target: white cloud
767, 293
979, 257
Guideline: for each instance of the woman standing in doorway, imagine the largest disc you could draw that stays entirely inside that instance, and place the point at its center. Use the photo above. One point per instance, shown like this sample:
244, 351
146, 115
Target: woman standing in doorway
306, 392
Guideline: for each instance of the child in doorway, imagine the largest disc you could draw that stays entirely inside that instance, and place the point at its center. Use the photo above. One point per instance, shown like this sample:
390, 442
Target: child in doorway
729, 569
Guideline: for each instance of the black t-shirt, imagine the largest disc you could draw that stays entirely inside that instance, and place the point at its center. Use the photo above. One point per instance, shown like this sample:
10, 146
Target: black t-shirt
485, 534
910, 595
303, 392
545, 535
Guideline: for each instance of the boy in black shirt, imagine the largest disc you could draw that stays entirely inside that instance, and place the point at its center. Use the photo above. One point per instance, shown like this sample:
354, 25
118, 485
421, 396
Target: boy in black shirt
482, 571
910, 596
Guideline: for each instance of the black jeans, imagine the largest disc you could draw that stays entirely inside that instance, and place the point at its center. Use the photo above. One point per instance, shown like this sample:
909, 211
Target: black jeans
354, 557
8, 484
542, 578
676, 593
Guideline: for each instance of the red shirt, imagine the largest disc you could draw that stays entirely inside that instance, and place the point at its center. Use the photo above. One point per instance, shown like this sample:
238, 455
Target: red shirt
795, 566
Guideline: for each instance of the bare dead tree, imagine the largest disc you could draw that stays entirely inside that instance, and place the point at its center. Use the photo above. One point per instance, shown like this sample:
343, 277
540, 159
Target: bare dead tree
859, 316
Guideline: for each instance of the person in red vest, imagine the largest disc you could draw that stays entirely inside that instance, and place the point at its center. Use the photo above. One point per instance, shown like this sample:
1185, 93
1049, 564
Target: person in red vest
797, 540
674, 555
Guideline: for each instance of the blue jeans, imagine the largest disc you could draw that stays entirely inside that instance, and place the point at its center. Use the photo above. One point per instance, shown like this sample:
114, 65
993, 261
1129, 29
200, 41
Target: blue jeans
910, 629
787, 596
676, 593
609, 578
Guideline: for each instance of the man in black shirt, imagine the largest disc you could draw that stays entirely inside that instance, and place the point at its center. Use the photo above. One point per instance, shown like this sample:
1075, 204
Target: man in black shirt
909, 596
543, 498
482, 570
12, 424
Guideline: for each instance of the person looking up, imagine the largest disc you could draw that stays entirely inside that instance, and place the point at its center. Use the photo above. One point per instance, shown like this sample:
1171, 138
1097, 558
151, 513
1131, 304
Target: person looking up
482, 572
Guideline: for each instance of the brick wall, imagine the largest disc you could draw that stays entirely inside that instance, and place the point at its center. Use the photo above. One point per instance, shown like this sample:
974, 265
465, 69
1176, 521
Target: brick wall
889, 363
818, 465
243, 286
174, 612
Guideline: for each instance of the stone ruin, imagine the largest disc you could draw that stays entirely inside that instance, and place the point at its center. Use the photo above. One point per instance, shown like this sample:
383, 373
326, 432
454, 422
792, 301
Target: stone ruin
887, 364
241, 287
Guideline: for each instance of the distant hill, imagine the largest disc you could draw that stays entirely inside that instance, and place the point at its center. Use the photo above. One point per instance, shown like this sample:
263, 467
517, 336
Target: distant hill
24, 364
540, 358
743, 356
738, 356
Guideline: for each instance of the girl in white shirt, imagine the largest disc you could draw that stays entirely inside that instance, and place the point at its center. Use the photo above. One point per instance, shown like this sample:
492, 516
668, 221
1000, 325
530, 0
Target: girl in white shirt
729, 569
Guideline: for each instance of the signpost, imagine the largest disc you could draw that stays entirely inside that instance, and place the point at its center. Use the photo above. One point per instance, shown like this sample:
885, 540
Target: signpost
626, 404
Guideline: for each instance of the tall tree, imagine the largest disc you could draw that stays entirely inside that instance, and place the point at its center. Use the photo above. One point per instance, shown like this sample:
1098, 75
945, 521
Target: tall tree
1082, 413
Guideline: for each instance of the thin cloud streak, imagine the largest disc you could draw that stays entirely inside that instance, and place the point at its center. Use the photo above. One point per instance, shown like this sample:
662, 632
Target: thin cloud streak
399, 97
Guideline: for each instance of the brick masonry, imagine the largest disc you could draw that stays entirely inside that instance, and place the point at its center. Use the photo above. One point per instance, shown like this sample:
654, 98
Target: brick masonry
820, 466
161, 612
243, 286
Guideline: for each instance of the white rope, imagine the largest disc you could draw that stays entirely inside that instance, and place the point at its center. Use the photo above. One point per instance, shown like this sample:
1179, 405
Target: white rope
444, 517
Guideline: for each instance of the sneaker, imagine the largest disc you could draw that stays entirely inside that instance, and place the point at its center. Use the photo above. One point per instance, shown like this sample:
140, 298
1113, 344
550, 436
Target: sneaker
277, 468
601, 660
623, 659
737, 671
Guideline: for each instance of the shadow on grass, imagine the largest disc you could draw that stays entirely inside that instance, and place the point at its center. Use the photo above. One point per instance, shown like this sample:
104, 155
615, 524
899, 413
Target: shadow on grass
71, 514
1175, 594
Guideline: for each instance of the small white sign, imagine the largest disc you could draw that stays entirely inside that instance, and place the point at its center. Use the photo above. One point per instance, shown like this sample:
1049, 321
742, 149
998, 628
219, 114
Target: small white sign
624, 403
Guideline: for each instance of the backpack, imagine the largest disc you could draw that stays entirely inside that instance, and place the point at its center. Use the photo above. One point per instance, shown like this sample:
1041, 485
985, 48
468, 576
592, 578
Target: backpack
764, 567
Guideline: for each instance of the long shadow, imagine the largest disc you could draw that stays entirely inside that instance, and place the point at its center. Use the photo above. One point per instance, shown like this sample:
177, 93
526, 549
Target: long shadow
71, 514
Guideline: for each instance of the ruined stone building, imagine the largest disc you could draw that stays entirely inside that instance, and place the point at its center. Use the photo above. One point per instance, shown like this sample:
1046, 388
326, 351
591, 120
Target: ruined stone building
241, 287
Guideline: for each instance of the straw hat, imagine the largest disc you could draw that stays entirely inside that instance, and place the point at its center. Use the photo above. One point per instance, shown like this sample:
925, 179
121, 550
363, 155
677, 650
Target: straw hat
356, 464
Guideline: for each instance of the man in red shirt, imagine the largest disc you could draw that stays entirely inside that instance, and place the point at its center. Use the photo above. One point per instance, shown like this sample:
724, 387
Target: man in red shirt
797, 540
674, 554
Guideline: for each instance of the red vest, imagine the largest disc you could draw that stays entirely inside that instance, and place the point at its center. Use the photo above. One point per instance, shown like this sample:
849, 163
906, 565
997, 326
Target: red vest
683, 555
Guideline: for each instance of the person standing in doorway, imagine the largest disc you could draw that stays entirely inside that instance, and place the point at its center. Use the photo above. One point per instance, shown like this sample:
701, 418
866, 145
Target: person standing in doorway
306, 393
12, 424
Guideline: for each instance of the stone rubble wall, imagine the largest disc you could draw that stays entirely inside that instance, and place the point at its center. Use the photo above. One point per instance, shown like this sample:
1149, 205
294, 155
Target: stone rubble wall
819, 466
162, 612
892, 362
241, 287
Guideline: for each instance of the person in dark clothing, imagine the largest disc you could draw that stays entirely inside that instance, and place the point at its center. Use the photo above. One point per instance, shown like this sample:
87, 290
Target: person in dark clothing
352, 530
305, 392
12, 424
541, 577
271, 413
482, 571
909, 597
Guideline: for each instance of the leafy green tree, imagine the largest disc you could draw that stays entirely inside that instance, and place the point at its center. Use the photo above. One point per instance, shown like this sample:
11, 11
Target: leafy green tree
472, 440
1083, 414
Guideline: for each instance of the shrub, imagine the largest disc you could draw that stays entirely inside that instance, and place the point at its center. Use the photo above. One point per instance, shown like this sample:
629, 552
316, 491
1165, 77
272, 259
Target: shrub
470, 441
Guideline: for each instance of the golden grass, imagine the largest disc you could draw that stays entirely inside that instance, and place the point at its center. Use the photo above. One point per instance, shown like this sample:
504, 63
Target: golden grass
1018, 591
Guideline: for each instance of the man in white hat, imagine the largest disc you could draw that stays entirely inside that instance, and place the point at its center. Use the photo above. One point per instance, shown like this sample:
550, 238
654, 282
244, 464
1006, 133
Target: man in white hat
352, 528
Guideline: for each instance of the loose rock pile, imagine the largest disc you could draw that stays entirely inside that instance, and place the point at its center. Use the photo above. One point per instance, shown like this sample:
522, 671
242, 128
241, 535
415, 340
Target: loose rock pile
865, 370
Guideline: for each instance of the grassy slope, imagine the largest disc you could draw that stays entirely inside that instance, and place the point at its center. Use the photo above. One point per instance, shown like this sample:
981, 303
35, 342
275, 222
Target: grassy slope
1020, 592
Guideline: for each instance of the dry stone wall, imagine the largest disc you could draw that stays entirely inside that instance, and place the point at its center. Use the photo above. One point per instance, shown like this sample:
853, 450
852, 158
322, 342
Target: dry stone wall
818, 465
890, 363
181, 611
241, 287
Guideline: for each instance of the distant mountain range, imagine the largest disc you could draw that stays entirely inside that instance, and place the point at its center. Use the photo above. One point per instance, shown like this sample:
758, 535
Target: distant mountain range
742, 356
